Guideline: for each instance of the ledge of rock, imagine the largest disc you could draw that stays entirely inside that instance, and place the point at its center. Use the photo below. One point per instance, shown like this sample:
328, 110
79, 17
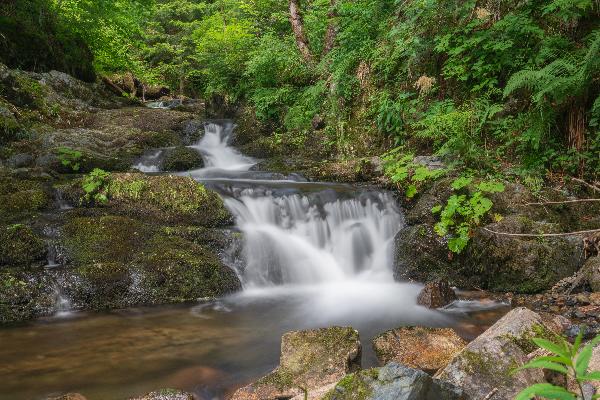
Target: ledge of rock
428, 349
394, 382
310, 360
485, 365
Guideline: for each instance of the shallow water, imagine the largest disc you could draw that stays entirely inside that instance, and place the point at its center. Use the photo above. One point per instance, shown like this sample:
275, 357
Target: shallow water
207, 348
314, 255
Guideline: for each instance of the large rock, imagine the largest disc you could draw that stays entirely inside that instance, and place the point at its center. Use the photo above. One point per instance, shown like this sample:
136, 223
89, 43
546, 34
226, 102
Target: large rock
25, 294
20, 246
436, 294
591, 273
182, 159
166, 394
393, 382
423, 348
310, 360
486, 364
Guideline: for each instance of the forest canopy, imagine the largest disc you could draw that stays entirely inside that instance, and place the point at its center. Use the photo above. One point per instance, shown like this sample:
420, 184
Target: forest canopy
503, 87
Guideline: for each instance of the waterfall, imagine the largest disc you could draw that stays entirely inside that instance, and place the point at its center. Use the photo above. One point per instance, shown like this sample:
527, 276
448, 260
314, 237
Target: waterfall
298, 232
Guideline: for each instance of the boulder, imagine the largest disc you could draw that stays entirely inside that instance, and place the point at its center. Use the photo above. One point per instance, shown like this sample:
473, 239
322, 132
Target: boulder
166, 394
428, 349
69, 396
436, 294
310, 360
20, 160
20, 246
182, 159
591, 273
486, 364
393, 382
25, 294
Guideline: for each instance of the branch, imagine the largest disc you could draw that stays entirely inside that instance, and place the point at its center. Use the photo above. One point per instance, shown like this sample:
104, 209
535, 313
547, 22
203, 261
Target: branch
592, 186
561, 202
542, 234
298, 29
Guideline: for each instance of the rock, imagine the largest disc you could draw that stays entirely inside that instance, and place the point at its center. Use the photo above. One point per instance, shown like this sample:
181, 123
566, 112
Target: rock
431, 162
591, 273
20, 246
182, 159
522, 265
310, 359
21, 197
167, 198
192, 132
70, 396
25, 294
428, 349
486, 364
394, 382
318, 122
166, 394
436, 294
20, 160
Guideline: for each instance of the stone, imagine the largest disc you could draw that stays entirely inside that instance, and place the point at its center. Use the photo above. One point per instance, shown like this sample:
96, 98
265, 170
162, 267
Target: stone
20, 246
310, 359
436, 294
591, 273
428, 349
20, 160
394, 382
69, 396
486, 364
182, 159
166, 394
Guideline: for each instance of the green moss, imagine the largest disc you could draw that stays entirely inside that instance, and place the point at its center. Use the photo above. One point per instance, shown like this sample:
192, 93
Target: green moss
353, 386
538, 331
281, 378
20, 246
24, 295
182, 159
20, 196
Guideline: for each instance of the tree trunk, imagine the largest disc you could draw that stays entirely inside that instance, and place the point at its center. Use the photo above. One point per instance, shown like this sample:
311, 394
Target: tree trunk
576, 127
332, 29
298, 28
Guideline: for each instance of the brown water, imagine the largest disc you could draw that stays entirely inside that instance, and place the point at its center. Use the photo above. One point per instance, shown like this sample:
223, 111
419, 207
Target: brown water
209, 349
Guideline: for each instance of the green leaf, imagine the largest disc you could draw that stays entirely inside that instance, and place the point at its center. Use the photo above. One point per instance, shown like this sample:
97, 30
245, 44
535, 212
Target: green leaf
592, 376
461, 182
552, 347
436, 209
546, 390
583, 359
491, 187
411, 191
537, 363
577, 343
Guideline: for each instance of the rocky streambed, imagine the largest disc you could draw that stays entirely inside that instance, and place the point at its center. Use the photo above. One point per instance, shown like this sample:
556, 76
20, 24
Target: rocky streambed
186, 218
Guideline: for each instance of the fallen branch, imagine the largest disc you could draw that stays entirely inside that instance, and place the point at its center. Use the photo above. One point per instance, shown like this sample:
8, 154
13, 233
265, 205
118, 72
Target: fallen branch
491, 394
542, 234
561, 202
590, 185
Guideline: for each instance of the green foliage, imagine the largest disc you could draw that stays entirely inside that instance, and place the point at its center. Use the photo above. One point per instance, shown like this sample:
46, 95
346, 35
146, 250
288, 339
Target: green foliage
403, 171
95, 186
69, 158
571, 360
464, 210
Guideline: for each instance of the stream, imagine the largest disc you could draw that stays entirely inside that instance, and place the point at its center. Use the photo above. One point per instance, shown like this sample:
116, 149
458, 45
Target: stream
314, 254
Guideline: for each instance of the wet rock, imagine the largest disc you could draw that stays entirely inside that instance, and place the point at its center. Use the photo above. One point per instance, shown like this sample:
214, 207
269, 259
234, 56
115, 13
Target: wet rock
182, 159
166, 394
20, 246
394, 382
310, 360
522, 265
25, 294
21, 197
436, 294
168, 199
428, 349
486, 364
192, 132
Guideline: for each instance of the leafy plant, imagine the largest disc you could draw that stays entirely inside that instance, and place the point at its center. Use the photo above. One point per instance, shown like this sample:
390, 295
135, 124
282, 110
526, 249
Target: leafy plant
402, 170
464, 211
70, 158
571, 360
95, 186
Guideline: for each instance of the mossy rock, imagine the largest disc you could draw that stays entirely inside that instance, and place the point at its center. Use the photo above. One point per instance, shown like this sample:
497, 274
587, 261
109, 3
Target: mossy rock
20, 246
182, 159
25, 294
19, 197
167, 199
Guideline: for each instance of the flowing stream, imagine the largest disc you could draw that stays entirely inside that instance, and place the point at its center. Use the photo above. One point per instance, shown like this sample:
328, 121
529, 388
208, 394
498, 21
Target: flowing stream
313, 254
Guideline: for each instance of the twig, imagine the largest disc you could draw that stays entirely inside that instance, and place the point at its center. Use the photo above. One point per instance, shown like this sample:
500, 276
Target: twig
491, 394
561, 202
542, 234
592, 186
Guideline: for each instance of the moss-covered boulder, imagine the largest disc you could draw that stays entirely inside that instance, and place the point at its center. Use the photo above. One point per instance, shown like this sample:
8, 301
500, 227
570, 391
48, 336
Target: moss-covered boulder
310, 360
25, 294
487, 364
119, 262
166, 394
21, 197
393, 382
20, 246
182, 159
167, 199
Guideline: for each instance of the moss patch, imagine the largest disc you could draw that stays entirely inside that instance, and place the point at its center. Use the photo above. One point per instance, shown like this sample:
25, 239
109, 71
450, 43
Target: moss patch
19, 246
182, 159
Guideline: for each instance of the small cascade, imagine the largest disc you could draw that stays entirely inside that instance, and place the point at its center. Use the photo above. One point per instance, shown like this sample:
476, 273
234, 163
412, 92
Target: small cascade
150, 161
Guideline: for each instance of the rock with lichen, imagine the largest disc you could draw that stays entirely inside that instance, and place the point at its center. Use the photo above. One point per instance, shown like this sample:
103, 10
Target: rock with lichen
182, 159
310, 361
393, 382
487, 364
428, 349
166, 394
436, 294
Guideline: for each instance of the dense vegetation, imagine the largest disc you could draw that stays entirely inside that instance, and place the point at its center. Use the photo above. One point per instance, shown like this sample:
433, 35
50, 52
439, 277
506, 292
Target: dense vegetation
507, 88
